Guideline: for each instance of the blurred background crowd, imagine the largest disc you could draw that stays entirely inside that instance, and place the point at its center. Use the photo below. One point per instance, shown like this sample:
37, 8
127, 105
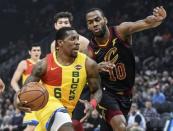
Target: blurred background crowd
24, 22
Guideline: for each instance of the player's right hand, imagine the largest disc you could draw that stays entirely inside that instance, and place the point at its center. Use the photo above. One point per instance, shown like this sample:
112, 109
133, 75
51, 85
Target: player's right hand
88, 110
159, 14
21, 104
105, 66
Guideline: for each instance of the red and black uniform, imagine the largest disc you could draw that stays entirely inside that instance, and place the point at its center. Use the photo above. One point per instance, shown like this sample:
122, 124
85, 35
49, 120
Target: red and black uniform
116, 84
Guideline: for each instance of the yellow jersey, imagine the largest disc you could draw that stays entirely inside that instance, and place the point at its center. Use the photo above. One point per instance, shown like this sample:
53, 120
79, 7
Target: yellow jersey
64, 84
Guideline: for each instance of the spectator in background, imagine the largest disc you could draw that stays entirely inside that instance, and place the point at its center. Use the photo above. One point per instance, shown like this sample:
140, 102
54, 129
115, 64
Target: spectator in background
168, 91
16, 121
7, 120
150, 113
136, 120
158, 97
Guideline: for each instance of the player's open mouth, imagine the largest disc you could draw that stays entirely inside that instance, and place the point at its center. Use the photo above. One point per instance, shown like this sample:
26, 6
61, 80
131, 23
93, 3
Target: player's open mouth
96, 30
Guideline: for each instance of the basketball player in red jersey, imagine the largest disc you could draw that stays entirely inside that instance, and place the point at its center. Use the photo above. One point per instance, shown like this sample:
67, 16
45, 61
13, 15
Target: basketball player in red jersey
2, 86
64, 74
23, 70
112, 45
65, 19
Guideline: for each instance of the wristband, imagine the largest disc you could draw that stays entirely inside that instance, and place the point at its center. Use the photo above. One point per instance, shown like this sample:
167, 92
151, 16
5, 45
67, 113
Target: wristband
93, 102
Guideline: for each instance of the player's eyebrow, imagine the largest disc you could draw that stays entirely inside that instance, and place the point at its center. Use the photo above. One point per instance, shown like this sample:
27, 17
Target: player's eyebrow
96, 17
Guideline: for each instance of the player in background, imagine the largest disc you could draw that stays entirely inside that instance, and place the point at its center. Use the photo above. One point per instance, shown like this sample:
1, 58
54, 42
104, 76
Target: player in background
112, 45
64, 73
23, 70
65, 19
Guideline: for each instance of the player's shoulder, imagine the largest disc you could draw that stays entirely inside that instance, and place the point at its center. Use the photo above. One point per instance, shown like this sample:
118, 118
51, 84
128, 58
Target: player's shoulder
22, 65
41, 66
90, 62
23, 62
83, 40
44, 60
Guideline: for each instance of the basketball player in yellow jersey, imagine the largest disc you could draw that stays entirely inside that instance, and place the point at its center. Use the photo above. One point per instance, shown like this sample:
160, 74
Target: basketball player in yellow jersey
64, 74
23, 70
65, 19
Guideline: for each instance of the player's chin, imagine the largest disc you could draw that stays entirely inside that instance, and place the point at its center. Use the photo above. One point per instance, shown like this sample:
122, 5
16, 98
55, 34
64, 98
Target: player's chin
74, 54
97, 33
36, 57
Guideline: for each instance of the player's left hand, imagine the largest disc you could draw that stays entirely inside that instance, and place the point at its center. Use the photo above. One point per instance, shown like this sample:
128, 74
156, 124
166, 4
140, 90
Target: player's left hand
105, 66
2, 86
88, 109
21, 104
159, 14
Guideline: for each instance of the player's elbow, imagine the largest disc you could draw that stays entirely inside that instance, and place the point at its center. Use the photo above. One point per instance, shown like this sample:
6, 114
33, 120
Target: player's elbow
13, 83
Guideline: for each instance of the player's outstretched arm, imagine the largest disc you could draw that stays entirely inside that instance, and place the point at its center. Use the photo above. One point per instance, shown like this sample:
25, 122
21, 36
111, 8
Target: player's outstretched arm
154, 20
37, 72
17, 75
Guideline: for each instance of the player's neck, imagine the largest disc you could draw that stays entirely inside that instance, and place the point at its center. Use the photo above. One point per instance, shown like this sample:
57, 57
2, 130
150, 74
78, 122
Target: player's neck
103, 40
34, 60
63, 59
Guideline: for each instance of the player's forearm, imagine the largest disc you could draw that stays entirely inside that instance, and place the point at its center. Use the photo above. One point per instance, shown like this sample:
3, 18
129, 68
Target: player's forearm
15, 86
97, 95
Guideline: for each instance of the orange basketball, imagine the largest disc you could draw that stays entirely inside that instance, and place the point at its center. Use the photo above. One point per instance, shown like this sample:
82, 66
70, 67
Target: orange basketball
35, 94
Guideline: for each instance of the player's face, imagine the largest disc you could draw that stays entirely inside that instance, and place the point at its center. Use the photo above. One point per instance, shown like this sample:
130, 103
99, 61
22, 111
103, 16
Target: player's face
62, 22
35, 52
71, 44
96, 23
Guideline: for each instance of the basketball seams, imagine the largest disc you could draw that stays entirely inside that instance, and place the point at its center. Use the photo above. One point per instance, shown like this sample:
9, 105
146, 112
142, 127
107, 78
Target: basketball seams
45, 93
43, 100
38, 102
34, 98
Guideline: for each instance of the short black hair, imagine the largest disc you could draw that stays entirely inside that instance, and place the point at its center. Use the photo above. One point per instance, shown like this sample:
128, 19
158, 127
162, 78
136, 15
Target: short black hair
94, 9
62, 33
65, 14
33, 45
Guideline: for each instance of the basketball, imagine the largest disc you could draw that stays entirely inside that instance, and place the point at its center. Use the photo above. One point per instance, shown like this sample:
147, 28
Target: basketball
35, 94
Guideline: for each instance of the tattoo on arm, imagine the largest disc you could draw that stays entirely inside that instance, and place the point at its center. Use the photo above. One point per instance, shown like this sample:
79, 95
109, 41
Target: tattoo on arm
94, 81
37, 72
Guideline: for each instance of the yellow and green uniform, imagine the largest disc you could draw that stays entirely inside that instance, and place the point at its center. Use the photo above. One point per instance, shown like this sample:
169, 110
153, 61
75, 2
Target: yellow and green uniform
64, 84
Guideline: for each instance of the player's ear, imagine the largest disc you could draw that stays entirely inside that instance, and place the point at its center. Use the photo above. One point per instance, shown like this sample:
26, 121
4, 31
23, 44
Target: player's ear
29, 52
105, 19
